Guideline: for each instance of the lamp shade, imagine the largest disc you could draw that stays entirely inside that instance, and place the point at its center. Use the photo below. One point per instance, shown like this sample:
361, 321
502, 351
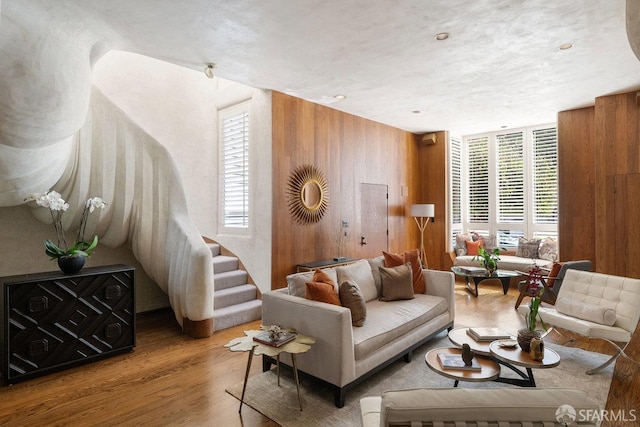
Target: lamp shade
422, 211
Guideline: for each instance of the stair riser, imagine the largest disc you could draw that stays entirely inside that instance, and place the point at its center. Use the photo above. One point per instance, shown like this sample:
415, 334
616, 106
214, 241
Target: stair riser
243, 294
229, 279
214, 248
237, 317
224, 264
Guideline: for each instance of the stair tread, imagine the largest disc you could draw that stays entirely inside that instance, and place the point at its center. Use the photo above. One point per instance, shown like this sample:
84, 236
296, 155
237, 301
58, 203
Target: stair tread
232, 308
234, 290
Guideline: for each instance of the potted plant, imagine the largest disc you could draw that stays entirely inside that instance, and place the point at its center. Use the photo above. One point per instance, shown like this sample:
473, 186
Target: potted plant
70, 259
488, 259
534, 288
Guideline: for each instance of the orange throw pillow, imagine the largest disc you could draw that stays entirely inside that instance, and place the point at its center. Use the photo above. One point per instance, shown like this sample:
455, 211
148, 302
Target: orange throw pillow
322, 277
472, 247
323, 292
412, 256
555, 269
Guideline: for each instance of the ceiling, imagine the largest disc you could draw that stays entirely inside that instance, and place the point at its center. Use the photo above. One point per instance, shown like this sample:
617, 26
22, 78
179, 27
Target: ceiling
500, 67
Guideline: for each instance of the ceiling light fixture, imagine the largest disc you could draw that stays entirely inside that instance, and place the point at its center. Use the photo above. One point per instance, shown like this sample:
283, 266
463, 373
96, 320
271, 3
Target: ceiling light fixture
340, 97
566, 46
442, 36
208, 70
416, 111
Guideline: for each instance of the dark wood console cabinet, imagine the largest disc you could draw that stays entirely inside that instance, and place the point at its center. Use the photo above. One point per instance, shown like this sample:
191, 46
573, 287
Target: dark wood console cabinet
53, 321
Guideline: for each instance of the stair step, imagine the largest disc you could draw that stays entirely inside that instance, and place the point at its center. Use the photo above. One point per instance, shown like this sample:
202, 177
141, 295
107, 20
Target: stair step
222, 263
237, 314
214, 248
234, 296
229, 279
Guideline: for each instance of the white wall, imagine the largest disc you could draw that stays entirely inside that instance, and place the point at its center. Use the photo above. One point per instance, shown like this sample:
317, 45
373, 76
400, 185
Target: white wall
178, 107
22, 250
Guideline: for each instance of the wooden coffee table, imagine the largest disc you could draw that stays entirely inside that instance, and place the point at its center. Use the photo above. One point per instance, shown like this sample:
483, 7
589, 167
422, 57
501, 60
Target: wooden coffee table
514, 356
490, 370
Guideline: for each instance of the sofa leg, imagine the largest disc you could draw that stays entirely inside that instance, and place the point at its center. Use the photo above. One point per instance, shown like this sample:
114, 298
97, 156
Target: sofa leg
407, 357
266, 363
339, 396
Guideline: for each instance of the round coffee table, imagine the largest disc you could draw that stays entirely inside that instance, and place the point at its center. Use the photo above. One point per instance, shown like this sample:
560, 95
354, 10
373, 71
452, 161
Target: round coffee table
490, 370
514, 356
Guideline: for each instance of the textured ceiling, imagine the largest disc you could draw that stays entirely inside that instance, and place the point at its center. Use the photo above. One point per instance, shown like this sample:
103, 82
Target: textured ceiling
500, 67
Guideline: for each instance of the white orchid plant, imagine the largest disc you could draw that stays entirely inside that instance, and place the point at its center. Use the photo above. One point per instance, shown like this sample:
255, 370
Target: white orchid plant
53, 201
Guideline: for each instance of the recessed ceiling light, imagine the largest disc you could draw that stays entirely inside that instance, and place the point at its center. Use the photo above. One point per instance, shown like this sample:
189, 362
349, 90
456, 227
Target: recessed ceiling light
442, 36
416, 111
340, 97
566, 46
503, 127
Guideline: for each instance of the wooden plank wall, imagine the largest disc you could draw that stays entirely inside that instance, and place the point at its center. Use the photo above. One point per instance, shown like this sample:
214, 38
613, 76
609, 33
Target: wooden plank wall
350, 150
605, 140
576, 184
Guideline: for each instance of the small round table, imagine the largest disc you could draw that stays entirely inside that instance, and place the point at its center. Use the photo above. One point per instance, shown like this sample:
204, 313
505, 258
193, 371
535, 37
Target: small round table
514, 356
490, 370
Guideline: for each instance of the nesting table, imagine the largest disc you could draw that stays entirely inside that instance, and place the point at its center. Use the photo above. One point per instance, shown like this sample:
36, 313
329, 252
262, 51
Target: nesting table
492, 356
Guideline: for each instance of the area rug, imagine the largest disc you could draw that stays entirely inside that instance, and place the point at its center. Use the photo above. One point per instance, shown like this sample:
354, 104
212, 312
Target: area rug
280, 404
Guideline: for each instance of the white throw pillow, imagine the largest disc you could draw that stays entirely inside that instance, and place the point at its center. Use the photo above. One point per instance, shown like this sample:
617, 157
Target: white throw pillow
360, 273
590, 312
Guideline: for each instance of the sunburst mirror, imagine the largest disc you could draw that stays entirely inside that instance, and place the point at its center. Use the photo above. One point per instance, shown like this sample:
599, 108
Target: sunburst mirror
307, 194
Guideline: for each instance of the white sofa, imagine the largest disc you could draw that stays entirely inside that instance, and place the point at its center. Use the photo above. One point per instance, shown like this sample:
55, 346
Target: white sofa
343, 354
478, 406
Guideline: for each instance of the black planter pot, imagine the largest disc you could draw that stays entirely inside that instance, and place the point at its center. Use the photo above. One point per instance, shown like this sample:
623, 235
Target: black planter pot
71, 264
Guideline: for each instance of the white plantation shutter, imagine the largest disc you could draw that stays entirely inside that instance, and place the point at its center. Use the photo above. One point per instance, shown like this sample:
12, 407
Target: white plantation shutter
478, 190
545, 176
235, 169
510, 168
455, 170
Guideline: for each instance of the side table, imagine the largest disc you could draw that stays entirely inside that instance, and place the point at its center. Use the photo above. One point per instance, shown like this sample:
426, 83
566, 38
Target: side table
301, 344
311, 266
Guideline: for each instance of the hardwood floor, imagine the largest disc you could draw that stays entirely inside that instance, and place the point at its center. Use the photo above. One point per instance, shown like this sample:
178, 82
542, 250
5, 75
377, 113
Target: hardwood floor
171, 379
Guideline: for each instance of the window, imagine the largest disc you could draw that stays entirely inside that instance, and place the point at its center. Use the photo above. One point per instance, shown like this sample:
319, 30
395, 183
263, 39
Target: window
234, 143
510, 187
455, 178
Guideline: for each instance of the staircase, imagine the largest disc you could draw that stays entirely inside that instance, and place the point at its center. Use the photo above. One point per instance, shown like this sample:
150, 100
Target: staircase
234, 300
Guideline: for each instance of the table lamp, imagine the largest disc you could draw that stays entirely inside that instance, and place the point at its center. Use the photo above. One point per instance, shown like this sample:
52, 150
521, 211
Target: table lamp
422, 214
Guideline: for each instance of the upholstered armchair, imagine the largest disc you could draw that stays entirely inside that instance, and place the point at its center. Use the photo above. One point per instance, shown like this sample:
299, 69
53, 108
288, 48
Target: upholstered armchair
553, 282
596, 305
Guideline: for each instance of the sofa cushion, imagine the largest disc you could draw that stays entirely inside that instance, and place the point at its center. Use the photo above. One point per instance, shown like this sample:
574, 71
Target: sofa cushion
297, 282
507, 262
375, 263
461, 247
584, 311
412, 256
527, 248
318, 291
360, 273
397, 282
386, 321
472, 247
351, 297
323, 277
549, 250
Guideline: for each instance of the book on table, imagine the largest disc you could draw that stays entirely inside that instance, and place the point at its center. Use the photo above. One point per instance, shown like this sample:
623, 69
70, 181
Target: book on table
454, 361
263, 338
473, 270
487, 334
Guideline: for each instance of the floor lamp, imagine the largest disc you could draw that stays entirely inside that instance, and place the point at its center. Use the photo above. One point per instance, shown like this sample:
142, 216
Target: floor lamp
422, 214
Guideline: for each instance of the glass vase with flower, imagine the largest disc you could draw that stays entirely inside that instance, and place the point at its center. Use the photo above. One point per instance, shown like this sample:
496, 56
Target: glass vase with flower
70, 259
532, 316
